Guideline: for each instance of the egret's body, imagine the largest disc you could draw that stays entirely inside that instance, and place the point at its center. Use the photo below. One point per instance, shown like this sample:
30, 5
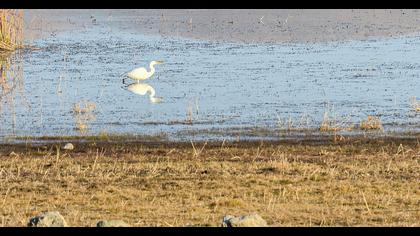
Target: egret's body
143, 89
141, 73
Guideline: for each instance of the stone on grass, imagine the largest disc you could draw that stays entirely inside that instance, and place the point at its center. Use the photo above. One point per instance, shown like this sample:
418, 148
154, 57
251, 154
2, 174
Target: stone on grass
253, 220
68, 146
48, 219
112, 223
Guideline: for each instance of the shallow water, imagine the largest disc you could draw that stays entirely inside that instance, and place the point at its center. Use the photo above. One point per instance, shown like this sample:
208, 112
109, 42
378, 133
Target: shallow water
211, 85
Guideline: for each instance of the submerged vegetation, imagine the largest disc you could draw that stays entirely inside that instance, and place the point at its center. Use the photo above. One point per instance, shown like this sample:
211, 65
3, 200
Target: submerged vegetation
334, 123
371, 123
11, 29
84, 114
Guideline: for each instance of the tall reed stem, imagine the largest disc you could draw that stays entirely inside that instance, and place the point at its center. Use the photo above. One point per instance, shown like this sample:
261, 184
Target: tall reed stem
11, 29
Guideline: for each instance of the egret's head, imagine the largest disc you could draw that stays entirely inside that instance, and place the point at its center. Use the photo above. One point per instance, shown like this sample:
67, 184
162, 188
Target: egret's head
156, 99
157, 62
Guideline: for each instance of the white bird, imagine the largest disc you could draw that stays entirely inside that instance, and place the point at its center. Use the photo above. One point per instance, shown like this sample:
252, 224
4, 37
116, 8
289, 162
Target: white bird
143, 89
141, 73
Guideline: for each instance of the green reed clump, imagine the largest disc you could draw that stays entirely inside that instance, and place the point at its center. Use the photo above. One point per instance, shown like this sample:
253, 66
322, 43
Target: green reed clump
11, 29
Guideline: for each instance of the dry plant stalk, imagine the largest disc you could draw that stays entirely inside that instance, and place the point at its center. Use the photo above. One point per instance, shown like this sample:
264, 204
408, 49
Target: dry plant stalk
196, 151
11, 29
372, 123
328, 125
190, 111
88, 107
11, 84
335, 123
415, 104
83, 114
189, 114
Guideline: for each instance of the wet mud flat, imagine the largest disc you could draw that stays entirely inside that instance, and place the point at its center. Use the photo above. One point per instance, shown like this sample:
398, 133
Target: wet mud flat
235, 25
362, 182
136, 142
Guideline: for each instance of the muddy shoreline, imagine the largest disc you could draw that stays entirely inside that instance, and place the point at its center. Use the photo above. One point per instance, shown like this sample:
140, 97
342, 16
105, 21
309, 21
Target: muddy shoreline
85, 144
234, 25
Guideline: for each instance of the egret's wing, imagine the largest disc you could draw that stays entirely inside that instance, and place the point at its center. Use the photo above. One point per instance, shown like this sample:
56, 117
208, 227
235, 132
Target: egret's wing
138, 73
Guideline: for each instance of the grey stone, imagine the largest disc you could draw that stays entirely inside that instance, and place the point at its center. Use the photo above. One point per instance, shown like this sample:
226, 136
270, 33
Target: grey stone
253, 220
112, 223
68, 146
48, 219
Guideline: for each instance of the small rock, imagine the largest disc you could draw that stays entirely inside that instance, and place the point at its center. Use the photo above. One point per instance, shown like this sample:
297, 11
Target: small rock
13, 154
253, 220
48, 219
112, 223
68, 146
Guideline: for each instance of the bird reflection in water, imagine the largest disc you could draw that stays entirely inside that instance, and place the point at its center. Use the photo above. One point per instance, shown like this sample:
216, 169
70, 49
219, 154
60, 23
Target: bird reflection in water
143, 89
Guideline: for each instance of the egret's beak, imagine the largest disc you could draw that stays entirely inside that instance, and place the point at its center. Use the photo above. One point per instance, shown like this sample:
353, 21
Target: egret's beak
156, 99
159, 62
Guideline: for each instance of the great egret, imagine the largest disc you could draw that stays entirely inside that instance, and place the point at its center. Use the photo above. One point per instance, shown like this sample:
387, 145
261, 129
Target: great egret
143, 89
141, 73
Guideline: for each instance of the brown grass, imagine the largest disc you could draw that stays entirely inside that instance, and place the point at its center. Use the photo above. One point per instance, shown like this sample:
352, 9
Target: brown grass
11, 29
329, 125
332, 122
351, 184
372, 123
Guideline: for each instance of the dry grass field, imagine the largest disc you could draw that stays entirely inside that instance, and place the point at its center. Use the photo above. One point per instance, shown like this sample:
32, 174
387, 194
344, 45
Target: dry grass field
354, 183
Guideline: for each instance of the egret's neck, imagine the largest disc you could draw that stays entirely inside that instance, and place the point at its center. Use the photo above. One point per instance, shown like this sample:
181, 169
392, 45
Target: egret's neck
152, 92
152, 68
